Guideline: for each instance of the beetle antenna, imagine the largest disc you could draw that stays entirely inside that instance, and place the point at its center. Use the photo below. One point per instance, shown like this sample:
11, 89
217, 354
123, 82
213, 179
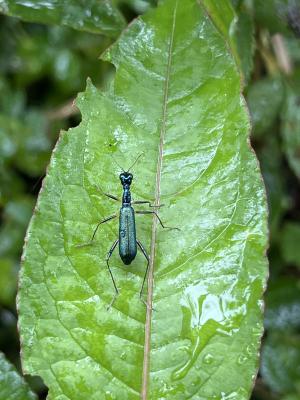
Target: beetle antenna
138, 157
116, 162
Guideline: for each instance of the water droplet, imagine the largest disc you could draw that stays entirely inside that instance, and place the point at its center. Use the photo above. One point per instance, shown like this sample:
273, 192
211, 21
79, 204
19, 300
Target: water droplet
123, 356
242, 359
109, 395
250, 349
208, 359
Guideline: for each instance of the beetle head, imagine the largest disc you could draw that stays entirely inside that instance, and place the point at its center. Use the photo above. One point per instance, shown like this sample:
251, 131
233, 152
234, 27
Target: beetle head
126, 178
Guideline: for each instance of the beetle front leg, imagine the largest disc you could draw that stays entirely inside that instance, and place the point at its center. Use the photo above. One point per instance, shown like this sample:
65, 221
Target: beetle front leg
111, 196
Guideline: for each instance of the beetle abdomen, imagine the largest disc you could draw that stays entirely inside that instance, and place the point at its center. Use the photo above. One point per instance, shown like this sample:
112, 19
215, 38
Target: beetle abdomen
127, 235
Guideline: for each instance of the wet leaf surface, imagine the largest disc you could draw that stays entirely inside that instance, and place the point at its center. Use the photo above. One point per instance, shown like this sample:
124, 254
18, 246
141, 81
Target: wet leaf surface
91, 16
176, 97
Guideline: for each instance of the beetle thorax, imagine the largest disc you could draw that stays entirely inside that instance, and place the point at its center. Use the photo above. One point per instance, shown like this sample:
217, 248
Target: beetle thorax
126, 199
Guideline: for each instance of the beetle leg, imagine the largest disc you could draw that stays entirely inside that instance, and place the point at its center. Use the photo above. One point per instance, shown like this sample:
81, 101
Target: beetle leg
160, 221
112, 277
147, 202
146, 272
95, 231
102, 222
111, 196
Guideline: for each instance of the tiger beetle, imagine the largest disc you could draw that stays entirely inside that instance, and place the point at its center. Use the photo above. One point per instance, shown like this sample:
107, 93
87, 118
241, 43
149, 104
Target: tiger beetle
127, 241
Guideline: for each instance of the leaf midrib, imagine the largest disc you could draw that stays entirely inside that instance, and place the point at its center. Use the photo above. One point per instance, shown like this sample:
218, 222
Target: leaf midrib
147, 346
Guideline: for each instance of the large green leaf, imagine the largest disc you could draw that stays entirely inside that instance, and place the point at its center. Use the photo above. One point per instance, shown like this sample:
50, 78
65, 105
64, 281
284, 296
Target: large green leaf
91, 15
175, 96
12, 385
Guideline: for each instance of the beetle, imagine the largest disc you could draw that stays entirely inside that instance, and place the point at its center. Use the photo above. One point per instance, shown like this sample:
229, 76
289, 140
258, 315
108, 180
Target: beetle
127, 240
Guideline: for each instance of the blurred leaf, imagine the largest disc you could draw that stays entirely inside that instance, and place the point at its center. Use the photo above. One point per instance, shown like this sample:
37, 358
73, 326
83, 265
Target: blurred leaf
60, 54
290, 243
290, 397
9, 339
176, 89
35, 145
138, 6
271, 162
283, 305
264, 100
290, 129
245, 41
280, 362
8, 282
25, 140
275, 14
12, 385
293, 47
16, 216
12, 101
10, 183
90, 15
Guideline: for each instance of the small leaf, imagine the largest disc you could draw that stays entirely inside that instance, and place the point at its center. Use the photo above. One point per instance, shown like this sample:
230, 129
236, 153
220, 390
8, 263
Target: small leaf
176, 97
91, 15
12, 385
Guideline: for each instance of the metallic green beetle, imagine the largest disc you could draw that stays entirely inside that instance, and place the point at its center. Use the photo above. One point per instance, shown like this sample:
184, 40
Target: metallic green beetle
128, 243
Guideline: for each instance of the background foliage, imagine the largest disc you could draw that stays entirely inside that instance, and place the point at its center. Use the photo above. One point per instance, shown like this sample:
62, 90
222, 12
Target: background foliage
41, 70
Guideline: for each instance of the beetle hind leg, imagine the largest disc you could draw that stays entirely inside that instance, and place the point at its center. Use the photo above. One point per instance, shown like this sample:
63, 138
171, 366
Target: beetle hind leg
146, 273
109, 254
